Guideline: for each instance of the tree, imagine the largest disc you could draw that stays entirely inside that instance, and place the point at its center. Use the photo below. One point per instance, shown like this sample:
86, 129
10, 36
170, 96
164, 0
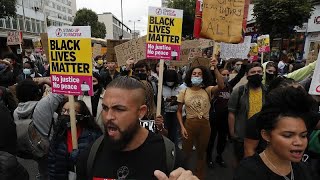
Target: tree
279, 17
87, 17
7, 8
188, 7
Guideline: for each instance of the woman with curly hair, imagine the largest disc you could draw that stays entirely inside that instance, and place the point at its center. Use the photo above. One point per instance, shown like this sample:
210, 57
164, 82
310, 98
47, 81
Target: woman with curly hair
283, 123
196, 98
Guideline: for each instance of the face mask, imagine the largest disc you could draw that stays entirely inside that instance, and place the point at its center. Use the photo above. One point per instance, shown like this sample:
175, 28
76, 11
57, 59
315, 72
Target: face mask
255, 80
270, 77
96, 87
142, 76
26, 71
226, 79
2, 66
196, 81
170, 84
237, 68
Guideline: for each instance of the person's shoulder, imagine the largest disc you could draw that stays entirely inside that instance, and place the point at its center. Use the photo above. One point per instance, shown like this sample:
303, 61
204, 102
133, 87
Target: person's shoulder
249, 168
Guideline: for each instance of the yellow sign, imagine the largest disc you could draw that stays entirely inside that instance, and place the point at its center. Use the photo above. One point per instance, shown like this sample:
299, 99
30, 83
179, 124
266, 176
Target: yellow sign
222, 20
69, 56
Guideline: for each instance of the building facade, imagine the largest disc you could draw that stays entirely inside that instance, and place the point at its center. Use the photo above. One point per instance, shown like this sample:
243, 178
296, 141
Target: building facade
114, 26
33, 16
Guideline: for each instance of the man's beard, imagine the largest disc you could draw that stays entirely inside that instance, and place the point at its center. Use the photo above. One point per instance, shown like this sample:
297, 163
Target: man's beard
125, 136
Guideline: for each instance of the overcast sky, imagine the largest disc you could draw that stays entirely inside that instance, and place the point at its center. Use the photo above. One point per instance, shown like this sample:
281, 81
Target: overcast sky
132, 10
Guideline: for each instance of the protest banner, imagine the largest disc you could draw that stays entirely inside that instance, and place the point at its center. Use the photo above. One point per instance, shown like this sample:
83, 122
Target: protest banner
70, 60
264, 43
186, 47
71, 65
240, 51
96, 50
254, 52
14, 38
164, 33
315, 83
222, 21
132, 49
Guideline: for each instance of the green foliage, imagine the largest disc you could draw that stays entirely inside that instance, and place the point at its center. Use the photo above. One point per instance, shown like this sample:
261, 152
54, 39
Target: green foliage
188, 7
87, 17
279, 17
7, 8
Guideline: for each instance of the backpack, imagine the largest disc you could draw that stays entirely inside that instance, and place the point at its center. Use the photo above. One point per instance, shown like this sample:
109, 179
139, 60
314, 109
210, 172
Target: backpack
31, 144
169, 146
314, 142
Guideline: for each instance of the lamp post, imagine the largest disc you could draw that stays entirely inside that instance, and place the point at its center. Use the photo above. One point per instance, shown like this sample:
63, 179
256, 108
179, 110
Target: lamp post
134, 27
121, 37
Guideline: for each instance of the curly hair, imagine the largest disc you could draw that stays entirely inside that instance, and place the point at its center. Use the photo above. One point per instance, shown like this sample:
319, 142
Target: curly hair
206, 76
287, 102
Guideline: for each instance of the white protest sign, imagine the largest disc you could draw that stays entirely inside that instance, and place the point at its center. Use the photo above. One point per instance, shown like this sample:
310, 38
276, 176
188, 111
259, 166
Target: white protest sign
14, 38
241, 50
149, 125
315, 84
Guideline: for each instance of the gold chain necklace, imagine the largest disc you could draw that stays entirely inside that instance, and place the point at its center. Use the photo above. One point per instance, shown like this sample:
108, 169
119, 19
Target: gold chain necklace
285, 177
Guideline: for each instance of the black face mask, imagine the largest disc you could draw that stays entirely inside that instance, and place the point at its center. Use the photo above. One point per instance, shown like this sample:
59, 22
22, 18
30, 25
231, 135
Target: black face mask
255, 80
65, 119
270, 77
142, 76
96, 87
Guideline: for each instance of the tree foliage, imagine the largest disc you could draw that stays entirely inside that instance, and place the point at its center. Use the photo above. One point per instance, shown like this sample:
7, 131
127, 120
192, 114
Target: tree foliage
188, 7
7, 8
87, 17
279, 17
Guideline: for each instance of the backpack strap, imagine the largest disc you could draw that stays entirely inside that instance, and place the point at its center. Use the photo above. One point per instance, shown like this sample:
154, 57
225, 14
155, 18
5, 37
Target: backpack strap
92, 155
170, 154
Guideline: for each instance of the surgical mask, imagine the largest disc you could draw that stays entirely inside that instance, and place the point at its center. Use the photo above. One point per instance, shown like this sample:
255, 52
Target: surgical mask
196, 81
26, 71
142, 76
170, 84
255, 80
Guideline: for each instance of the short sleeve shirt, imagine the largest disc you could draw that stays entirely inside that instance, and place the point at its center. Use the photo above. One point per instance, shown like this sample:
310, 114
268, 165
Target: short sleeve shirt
197, 102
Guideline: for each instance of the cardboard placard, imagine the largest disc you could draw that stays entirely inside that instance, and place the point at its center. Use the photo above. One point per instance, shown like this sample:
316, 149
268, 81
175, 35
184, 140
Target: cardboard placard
135, 49
240, 51
222, 21
96, 50
14, 38
206, 43
44, 43
200, 61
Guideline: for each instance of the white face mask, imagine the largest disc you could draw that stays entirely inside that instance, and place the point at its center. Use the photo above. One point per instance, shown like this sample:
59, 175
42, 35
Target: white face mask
170, 84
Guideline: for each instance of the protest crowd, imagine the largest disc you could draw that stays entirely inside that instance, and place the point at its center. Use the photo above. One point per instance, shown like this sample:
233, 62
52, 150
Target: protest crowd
268, 118
146, 118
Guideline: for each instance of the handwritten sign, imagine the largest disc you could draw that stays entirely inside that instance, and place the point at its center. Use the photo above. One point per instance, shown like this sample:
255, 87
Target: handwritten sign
222, 20
14, 38
135, 49
164, 33
70, 60
201, 61
241, 50
96, 50
206, 43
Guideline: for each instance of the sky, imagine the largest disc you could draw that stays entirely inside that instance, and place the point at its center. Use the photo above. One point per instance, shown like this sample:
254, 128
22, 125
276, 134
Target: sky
133, 10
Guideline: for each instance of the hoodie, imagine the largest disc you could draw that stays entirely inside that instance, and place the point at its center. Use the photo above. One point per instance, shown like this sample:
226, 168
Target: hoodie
43, 111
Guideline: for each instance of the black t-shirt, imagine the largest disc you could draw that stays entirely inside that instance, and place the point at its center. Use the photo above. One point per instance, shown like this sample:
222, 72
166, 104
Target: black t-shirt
253, 168
137, 164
